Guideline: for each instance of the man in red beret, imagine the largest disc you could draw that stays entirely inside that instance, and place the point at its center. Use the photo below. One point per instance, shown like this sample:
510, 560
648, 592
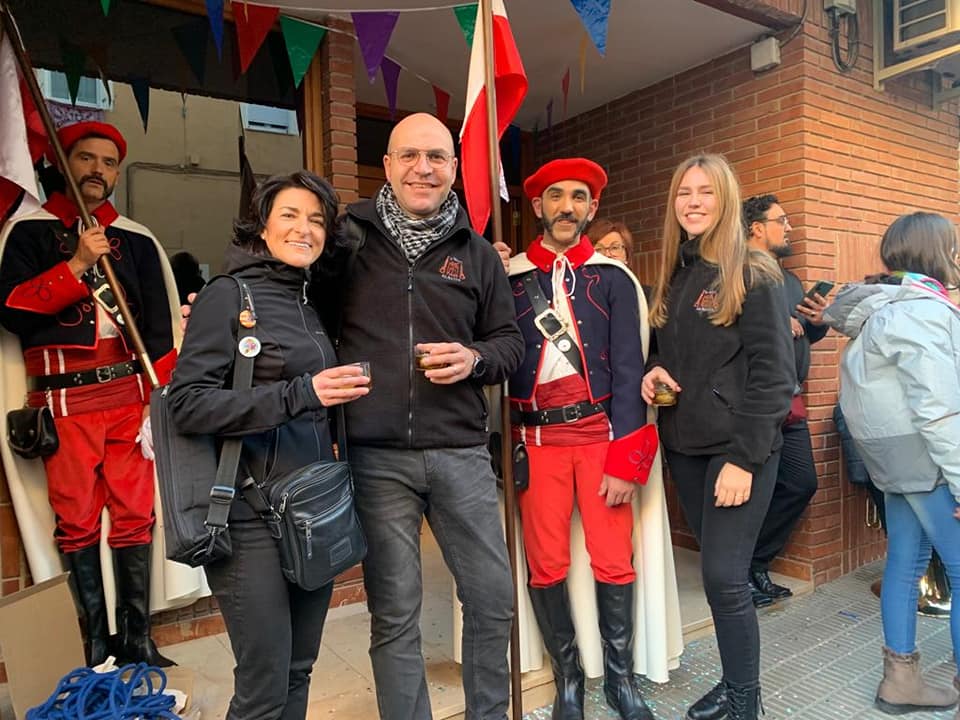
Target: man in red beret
577, 409
80, 363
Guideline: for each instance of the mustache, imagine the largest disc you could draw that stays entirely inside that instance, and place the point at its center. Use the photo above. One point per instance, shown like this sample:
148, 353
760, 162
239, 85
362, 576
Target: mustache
93, 178
568, 217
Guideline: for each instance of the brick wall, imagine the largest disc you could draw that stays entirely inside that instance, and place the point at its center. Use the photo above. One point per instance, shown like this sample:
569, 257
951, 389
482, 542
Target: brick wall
844, 160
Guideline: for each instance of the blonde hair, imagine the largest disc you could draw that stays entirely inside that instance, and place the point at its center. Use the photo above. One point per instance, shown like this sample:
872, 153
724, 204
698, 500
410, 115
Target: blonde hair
725, 242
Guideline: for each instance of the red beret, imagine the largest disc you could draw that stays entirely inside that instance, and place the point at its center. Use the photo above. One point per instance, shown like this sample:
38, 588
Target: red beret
70, 135
586, 171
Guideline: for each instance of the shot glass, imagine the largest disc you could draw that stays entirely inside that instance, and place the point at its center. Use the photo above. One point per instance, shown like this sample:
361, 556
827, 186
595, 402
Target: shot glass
365, 367
663, 395
420, 356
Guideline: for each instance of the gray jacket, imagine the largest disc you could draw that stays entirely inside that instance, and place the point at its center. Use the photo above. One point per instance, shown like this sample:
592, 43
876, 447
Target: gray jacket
900, 383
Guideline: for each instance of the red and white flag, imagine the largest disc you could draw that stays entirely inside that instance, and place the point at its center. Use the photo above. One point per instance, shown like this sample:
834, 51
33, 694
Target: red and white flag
22, 139
511, 87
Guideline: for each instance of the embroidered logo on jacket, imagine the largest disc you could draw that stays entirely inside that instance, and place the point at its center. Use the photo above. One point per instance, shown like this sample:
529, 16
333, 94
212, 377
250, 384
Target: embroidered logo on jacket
452, 269
706, 302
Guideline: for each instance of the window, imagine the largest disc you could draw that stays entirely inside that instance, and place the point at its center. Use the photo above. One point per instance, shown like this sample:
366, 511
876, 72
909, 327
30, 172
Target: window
269, 119
91, 94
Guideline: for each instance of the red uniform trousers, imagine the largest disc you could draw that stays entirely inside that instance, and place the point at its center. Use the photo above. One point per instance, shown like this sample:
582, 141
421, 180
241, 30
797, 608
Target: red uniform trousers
559, 476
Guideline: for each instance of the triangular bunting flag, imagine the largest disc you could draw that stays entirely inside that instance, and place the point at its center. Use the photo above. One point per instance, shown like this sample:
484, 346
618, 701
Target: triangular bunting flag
281, 63
373, 33
443, 103
74, 60
105, 4
565, 86
467, 18
252, 27
391, 78
515, 145
550, 115
191, 39
594, 15
98, 54
215, 15
584, 40
141, 93
302, 40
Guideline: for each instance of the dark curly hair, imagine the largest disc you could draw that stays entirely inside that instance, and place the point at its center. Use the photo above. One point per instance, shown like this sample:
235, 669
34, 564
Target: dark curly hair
247, 230
755, 209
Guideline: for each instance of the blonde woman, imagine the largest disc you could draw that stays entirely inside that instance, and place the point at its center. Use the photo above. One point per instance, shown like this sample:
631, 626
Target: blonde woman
727, 355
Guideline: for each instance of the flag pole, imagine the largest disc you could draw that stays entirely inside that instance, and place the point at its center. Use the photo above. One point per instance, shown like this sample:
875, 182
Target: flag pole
11, 30
509, 491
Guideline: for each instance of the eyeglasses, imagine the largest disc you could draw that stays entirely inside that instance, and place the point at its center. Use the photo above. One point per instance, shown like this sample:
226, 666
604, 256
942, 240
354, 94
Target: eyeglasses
616, 247
411, 156
783, 220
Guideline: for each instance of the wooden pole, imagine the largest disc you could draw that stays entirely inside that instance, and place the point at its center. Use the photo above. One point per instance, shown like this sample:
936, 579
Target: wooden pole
509, 491
11, 30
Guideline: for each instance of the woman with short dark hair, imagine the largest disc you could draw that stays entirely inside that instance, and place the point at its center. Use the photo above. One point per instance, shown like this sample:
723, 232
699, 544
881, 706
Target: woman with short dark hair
611, 238
274, 625
900, 396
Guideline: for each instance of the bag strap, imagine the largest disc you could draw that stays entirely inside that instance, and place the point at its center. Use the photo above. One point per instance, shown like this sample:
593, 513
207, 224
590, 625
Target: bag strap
561, 339
224, 489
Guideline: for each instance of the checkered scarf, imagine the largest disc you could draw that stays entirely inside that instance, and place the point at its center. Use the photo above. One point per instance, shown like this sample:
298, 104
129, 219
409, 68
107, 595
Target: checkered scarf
415, 235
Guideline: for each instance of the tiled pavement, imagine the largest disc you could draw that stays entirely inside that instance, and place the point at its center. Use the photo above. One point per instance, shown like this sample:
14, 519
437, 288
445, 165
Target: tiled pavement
820, 659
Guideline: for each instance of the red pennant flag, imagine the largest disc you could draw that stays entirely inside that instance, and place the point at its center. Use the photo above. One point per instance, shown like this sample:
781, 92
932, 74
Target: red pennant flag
443, 103
252, 27
22, 139
511, 86
565, 86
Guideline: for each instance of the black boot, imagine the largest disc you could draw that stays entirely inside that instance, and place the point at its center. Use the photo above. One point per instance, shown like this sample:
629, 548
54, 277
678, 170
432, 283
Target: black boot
84, 567
760, 598
551, 605
712, 706
743, 702
615, 609
133, 607
762, 582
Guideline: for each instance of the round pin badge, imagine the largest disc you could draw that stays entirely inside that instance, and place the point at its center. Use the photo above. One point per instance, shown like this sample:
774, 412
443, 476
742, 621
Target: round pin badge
248, 319
564, 345
249, 346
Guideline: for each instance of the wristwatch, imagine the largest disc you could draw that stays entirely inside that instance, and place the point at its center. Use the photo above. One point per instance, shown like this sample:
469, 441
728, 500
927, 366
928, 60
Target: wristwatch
479, 366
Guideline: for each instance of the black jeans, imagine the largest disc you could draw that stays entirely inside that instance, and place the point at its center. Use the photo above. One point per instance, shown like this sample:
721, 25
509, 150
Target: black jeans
727, 536
796, 485
274, 626
454, 488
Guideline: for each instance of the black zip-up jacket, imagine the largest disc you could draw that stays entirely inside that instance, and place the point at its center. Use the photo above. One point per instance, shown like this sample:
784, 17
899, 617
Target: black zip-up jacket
737, 381
456, 291
282, 422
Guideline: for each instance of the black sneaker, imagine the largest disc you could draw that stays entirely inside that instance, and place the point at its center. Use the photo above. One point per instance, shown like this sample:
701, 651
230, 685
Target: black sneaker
761, 580
760, 599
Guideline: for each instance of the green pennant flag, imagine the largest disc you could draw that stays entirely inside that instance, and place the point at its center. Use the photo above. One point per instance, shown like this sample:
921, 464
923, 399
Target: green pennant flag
105, 4
467, 17
74, 60
302, 40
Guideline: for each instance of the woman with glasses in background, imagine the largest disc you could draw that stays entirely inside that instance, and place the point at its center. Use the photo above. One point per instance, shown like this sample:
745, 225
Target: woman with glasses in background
612, 239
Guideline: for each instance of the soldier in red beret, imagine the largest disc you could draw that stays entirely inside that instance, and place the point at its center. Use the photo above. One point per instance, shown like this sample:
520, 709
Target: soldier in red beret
80, 363
577, 409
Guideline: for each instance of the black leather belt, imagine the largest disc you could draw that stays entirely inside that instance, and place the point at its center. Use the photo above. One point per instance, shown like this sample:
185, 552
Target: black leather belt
94, 376
555, 416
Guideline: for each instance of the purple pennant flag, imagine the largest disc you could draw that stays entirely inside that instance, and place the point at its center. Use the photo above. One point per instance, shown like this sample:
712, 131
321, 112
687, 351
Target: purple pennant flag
215, 13
594, 15
373, 33
391, 76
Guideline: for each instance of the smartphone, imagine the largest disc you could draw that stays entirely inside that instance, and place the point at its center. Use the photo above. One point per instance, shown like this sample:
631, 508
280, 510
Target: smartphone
821, 287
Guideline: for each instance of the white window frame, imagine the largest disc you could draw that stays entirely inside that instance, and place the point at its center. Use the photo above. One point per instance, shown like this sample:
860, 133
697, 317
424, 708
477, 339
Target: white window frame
282, 121
103, 101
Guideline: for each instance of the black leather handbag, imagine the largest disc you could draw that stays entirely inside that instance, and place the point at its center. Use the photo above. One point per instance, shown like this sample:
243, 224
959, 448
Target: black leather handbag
31, 432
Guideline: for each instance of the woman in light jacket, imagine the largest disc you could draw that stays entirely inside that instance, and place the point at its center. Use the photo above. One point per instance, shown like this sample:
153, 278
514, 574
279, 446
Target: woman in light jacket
900, 395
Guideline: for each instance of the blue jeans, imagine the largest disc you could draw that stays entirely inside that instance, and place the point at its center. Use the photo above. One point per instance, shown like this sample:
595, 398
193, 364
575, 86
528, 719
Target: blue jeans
915, 523
455, 489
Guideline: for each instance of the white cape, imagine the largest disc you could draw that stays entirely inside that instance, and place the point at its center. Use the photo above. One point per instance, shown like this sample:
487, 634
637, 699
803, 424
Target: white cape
658, 633
172, 584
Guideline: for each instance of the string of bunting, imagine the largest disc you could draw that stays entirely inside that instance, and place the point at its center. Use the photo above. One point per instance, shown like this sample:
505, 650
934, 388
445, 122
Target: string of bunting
373, 30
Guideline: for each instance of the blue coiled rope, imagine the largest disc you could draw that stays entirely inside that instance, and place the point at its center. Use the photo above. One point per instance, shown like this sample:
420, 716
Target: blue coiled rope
86, 695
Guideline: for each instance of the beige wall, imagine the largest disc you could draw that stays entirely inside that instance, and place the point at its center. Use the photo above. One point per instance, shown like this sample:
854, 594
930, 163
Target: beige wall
190, 207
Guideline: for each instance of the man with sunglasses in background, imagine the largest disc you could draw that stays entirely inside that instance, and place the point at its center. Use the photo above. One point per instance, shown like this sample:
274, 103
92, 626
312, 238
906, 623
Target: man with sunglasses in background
80, 363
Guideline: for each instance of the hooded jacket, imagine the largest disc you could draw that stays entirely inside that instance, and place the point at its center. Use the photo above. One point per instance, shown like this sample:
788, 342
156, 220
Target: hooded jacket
900, 382
283, 424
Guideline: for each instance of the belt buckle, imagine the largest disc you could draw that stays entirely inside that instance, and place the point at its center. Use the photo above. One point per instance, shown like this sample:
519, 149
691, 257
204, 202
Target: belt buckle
549, 315
108, 303
574, 414
105, 374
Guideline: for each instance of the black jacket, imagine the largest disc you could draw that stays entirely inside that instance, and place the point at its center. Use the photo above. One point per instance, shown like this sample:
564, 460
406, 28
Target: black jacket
456, 291
280, 418
736, 381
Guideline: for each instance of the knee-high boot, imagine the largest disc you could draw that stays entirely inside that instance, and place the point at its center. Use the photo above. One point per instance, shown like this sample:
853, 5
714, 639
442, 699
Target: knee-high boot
551, 605
615, 608
133, 607
84, 566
